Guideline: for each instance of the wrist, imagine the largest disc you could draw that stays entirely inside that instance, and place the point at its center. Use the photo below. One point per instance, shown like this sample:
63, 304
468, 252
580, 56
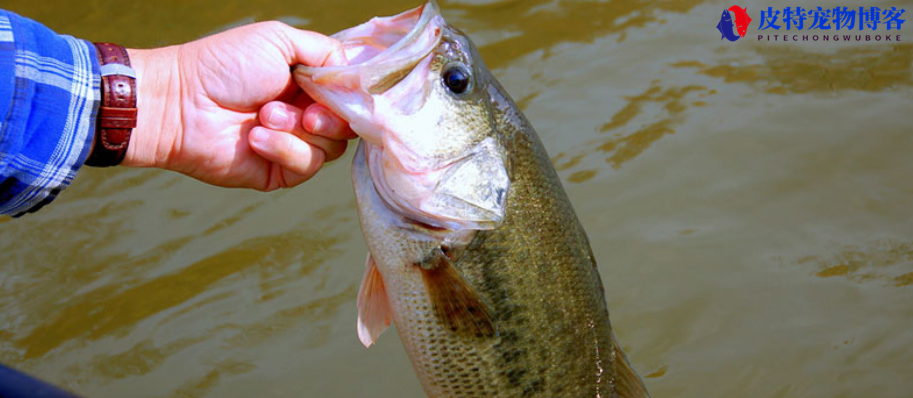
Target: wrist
158, 95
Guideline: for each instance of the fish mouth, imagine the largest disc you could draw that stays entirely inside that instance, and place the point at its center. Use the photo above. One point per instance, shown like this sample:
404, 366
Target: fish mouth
381, 52
389, 76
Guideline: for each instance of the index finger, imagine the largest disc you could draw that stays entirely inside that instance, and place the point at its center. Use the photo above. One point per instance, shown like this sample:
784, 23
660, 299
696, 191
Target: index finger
312, 48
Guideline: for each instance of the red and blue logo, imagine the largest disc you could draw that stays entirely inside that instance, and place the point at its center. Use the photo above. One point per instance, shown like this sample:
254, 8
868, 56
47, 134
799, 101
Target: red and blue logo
736, 17
825, 24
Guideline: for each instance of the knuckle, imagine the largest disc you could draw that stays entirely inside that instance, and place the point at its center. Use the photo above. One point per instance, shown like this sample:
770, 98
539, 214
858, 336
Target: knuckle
273, 25
286, 149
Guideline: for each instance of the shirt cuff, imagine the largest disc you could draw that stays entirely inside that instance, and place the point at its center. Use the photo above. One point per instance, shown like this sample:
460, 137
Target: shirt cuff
49, 124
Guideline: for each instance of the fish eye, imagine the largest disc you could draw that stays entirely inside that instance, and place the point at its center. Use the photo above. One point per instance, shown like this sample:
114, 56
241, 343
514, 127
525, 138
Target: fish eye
456, 78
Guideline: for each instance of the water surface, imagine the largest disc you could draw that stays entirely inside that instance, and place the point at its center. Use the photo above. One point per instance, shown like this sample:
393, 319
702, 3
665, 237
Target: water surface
750, 205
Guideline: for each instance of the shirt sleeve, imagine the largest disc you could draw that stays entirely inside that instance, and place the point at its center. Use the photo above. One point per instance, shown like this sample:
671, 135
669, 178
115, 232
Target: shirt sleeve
49, 96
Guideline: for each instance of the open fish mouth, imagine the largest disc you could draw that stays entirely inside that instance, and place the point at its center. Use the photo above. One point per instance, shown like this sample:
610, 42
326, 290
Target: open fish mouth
380, 53
427, 163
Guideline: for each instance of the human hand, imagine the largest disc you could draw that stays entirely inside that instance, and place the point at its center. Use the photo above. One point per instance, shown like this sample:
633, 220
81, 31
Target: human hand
225, 110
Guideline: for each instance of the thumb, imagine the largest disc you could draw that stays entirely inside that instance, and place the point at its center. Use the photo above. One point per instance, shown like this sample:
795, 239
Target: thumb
312, 48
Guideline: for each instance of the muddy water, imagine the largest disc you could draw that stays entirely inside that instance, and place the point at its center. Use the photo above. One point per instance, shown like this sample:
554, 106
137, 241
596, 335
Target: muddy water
750, 205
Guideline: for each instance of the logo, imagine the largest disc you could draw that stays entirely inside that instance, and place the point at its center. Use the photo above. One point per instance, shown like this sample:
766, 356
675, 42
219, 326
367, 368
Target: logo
801, 24
741, 18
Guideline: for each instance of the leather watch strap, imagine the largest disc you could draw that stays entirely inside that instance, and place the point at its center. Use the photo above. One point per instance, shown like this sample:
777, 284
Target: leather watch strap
117, 114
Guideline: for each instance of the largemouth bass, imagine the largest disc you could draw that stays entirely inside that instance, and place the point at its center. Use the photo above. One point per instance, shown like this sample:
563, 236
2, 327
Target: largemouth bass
475, 251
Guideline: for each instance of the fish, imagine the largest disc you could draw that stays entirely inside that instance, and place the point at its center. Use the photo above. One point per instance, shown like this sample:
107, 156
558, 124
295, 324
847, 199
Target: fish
725, 27
475, 252
741, 19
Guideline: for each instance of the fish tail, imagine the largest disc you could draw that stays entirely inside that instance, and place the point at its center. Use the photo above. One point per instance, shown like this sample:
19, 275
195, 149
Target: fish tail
627, 383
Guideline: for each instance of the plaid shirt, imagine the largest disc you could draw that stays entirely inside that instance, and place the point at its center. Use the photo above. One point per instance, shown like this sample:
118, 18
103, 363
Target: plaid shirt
49, 95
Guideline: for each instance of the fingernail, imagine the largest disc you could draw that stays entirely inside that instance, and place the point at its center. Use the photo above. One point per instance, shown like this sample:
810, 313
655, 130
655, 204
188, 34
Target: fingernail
258, 136
277, 118
320, 122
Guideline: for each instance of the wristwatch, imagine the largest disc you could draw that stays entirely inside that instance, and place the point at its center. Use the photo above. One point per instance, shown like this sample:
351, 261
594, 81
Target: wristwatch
117, 113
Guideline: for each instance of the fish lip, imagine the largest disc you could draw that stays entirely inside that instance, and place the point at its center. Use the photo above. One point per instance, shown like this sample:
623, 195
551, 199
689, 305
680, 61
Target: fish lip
405, 42
429, 11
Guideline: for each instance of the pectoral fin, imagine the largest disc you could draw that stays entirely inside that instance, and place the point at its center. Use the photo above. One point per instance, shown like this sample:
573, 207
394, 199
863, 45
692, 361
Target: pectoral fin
454, 301
373, 308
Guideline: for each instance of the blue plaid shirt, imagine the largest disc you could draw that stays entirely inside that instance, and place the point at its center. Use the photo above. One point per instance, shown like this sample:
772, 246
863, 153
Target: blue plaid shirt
49, 96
